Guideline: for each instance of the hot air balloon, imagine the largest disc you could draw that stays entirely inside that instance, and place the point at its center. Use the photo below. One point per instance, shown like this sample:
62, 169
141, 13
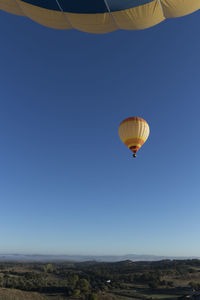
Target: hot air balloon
100, 16
134, 132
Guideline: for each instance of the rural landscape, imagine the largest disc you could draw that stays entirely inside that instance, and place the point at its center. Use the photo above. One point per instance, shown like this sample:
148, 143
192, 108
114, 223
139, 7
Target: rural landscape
166, 279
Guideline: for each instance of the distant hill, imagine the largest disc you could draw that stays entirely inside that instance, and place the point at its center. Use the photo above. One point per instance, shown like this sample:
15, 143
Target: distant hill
84, 258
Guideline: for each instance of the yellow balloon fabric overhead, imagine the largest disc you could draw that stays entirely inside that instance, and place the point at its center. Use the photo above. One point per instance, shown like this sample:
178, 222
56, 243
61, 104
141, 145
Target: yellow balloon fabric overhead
100, 16
134, 132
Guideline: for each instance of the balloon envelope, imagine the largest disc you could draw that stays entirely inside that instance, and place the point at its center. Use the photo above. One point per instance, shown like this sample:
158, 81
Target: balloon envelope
134, 132
100, 16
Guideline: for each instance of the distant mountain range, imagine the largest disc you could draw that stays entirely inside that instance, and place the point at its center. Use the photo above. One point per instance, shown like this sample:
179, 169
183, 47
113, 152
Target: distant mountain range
84, 258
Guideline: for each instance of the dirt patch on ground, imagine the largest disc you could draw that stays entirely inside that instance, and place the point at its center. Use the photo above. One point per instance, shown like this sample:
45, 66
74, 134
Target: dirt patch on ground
11, 294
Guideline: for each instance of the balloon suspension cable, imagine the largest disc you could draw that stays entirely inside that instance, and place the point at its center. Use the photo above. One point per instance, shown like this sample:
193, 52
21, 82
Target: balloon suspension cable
134, 155
110, 13
64, 15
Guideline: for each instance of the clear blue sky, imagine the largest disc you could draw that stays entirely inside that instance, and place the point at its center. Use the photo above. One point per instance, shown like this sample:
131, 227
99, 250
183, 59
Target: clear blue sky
67, 183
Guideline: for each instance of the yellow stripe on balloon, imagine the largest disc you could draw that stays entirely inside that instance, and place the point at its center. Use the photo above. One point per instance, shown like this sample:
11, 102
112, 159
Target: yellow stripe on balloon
11, 6
179, 8
93, 23
134, 137
140, 17
50, 18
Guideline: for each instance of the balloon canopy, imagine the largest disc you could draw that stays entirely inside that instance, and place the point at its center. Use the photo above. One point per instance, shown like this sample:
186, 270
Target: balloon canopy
100, 16
134, 132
